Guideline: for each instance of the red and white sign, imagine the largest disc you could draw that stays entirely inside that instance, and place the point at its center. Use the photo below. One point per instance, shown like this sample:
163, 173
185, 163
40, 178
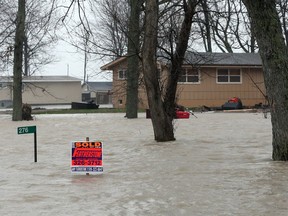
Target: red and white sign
86, 157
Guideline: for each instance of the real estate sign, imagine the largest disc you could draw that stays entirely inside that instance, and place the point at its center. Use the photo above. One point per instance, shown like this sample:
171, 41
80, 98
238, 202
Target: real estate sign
86, 157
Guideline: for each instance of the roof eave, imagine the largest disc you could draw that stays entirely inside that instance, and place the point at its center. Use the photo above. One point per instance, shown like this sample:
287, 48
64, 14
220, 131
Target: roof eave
112, 64
227, 65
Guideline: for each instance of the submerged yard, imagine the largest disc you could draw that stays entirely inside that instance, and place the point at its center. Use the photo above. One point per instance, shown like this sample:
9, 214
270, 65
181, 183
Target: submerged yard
220, 164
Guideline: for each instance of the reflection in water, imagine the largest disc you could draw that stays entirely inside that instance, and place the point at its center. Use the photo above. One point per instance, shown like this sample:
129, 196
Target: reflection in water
219, 165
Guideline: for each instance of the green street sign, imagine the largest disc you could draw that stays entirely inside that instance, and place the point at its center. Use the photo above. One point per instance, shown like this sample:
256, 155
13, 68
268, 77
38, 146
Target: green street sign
26, 130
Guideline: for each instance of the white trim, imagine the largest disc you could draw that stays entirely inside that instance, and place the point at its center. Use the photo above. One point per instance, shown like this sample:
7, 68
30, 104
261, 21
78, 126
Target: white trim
124, 74
227, 68
189, 83
186, 76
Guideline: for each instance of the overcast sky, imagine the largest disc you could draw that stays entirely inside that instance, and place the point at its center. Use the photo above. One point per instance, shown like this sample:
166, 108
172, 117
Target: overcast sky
70, 62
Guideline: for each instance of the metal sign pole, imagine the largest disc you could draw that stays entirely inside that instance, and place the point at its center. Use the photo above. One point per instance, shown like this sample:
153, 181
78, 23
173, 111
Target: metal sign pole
26, 130
35, 146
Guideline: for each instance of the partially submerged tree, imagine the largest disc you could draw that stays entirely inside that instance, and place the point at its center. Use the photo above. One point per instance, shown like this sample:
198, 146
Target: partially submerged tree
266, 27
162, 103
133, 59
31, 32
18, 61
115, 34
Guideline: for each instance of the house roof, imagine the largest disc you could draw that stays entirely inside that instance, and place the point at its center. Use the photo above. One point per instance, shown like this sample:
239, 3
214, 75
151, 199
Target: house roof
111, 64
99, 86
207, 59
42, 79
223, 59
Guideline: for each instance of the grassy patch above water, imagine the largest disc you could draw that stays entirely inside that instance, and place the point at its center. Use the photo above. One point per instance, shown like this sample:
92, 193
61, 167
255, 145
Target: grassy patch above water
73, 111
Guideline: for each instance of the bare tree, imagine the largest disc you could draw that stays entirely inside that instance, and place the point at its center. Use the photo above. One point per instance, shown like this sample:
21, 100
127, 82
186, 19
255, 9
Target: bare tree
7, 32
98, 29
133, 57
40, 34
223, 25
116, 40
162, 106
113, 28
105, 21
266, 27
86, 55
203, 20
32, 19
18, 60
39, 31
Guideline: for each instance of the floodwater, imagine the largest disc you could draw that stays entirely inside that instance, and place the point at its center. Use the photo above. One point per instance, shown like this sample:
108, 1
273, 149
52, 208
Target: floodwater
220, 164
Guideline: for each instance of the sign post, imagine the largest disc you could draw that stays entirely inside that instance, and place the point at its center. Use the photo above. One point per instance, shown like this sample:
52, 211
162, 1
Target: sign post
26, 130
86, 157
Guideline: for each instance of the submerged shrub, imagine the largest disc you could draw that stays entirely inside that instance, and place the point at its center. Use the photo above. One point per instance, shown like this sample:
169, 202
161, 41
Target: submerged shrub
26, 112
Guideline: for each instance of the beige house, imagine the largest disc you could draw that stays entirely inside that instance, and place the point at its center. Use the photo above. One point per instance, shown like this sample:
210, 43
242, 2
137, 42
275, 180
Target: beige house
208, 79
42, 90
99, 92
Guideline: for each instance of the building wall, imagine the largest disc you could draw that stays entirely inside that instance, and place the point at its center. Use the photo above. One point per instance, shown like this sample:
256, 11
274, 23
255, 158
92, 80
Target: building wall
208, 92
5, 96
212, 94
5, 93
119, 87
52, 92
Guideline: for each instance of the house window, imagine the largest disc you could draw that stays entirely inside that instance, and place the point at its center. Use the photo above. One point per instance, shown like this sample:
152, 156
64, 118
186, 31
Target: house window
86, 96
122, 74
228, 76
190, 76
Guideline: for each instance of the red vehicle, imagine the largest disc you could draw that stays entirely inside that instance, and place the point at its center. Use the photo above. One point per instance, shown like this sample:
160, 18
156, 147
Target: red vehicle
182, 114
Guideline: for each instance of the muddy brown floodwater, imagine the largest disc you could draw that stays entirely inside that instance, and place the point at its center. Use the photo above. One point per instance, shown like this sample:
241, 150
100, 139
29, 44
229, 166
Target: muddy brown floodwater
220, 164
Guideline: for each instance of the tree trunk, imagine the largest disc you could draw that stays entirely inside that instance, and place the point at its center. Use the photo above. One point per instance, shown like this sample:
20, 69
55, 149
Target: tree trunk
26, 61
162, 104
86, 40
162, 123
266, 27
18, 60
207, 22
133, 59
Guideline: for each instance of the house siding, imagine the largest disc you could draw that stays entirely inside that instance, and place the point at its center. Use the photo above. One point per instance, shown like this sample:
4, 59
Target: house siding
44, 90
119, 87
52, 93
5, 96
6, 93
207, 93
210, 93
